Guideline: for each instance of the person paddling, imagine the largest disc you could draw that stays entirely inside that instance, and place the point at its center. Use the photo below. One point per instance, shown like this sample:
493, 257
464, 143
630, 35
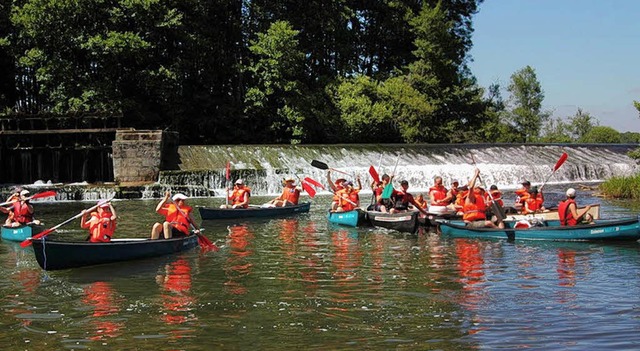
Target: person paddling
474, 210
175, 223
102, 223
289, 197
402, 199
568, 211
240, 196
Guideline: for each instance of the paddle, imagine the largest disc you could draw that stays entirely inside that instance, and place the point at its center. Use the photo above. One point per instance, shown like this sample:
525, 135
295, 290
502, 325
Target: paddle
203, 241
36, 196
374, 174
227, 175
495, 207
314, 182
27, 242
561, 160
324, 166
388, 189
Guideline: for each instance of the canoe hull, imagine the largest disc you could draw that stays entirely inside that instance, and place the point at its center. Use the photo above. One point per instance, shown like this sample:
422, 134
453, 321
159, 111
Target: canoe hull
602, 230
20, 233
55, 255
208, 213
406, 222
353, 218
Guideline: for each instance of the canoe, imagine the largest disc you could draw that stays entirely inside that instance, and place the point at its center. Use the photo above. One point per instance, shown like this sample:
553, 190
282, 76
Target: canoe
209, 213
552, 214
353, 218
54, 255
406, 222
600, 230
20, 233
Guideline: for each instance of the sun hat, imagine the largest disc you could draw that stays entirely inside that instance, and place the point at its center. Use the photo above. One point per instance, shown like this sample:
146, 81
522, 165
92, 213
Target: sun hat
571, 192
179, 196
24, 192
239, 181
289, 179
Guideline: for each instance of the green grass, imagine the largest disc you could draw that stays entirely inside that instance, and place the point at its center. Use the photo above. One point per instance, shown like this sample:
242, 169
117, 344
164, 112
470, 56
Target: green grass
622, 187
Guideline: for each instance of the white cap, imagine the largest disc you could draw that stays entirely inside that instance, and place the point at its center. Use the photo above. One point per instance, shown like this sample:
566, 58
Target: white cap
179, 196
289, 179
24, 192
571, 192
239, 181
103, 203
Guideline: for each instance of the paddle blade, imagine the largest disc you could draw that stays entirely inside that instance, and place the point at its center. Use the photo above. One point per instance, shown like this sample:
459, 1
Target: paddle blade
314, 182
320, 165
227, 171
206, 244
37, 236
374, 174
560, 161
388, 190
43, 194
308, 189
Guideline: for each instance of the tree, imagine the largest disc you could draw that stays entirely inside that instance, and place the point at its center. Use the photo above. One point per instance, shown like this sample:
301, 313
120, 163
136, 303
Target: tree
581, 123
601, 135
274, 97
637, 105
556, 131
526, 101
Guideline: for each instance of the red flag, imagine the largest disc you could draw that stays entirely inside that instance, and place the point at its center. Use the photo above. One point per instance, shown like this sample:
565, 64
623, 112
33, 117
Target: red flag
314, 182
308, 189
228, 171
374, 174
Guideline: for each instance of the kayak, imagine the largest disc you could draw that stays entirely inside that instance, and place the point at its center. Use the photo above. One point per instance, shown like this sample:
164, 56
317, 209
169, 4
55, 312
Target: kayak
406, 222
209, 213
20, 233
54, 255
600, 230
353, 218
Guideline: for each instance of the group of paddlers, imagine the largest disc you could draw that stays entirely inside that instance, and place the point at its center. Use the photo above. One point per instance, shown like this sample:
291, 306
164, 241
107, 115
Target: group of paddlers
470, 201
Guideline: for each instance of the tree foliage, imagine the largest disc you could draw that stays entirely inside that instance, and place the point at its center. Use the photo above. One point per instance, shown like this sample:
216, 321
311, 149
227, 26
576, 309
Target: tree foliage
526, 100
601, 135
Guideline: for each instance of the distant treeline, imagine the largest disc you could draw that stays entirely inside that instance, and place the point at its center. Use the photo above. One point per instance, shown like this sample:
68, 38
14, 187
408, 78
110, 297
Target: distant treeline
266, 71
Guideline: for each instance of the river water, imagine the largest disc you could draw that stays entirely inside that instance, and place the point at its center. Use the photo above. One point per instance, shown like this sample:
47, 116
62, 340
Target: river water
301, 283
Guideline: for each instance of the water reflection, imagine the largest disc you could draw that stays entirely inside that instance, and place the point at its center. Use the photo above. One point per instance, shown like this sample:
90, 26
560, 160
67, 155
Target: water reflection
101, 297
177, 300
238, 265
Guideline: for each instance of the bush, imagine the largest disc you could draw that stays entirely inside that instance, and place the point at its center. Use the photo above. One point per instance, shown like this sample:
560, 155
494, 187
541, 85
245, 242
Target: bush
622, 187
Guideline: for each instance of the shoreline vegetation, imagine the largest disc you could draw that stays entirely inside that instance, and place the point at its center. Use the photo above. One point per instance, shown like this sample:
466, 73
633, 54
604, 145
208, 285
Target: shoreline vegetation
624, 187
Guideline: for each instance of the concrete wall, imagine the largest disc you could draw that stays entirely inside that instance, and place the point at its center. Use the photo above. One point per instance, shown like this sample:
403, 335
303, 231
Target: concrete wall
139, 155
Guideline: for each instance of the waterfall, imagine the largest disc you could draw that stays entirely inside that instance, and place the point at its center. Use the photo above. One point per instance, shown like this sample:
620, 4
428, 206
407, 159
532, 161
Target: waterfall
506, 165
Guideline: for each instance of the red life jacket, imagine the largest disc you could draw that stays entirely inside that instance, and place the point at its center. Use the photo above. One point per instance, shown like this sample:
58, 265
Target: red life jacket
237, 196
565, 216
21, 213
102, 230
437, 193
496, 195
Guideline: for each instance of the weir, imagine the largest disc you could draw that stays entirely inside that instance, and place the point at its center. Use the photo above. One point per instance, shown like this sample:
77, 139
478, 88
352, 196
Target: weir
202, 168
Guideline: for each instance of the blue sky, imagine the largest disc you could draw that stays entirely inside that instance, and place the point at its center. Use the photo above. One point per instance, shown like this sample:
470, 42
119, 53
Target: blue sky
586, 53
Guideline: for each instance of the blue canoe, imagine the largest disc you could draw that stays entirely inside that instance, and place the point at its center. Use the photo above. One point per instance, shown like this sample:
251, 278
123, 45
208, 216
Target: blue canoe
20, 233
208, 213
353, 218
600, 230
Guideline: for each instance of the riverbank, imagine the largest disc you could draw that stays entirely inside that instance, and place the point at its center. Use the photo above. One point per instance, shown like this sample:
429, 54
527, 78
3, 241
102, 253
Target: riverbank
622, 187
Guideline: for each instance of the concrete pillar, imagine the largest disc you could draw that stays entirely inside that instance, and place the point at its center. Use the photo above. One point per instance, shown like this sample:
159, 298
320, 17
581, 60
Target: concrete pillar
140, 155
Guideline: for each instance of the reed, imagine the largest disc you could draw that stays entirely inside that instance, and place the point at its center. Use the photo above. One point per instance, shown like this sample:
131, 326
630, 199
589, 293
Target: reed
622, 187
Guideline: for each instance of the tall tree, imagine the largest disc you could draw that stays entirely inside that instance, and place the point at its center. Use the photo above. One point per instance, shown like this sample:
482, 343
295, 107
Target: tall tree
526, 102
7, 63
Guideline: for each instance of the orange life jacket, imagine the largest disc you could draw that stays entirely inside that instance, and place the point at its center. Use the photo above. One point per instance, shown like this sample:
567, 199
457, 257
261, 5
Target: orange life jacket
351, 196
522, 195
422, 204
237, 196
474, 211
496, 195
291, 195
177, 220
102, 230
21, 213
437, 193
